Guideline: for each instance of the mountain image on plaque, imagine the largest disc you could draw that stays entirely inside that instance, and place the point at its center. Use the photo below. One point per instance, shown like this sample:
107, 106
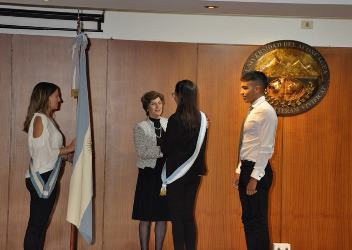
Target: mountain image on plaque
298, 75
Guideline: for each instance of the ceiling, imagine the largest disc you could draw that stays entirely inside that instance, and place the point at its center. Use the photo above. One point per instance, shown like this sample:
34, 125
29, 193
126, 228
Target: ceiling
290, 8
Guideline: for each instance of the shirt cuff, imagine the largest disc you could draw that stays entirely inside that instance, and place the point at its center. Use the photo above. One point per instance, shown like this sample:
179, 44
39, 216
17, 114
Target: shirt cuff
258, 171
238, 169
257, 174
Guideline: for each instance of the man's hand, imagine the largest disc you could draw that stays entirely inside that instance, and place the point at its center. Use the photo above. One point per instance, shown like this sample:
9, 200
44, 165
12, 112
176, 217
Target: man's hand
251, 186
237, 179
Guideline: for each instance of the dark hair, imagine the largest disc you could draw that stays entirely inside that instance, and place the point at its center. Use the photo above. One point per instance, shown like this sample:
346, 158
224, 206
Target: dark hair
187, 106
39, 101
256, 76
148, 97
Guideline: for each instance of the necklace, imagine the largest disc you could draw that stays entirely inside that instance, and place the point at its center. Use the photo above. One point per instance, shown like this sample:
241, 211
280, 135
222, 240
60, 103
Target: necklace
158, 130
160, 133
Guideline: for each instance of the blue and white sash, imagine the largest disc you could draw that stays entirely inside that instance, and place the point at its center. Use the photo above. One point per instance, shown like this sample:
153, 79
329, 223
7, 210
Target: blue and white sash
183, 169
44, 189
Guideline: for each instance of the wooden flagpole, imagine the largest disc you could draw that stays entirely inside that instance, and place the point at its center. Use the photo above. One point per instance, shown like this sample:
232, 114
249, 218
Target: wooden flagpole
74, 94
73, 237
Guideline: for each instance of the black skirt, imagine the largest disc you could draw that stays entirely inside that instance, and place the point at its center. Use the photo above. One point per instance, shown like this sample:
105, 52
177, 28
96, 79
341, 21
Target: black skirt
148, 204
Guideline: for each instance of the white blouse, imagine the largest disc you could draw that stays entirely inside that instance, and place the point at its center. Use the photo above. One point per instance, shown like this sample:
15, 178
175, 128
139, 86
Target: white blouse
44, 150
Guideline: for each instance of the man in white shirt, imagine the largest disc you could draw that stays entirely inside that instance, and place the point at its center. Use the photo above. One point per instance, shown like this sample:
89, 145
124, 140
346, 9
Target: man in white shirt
253, 173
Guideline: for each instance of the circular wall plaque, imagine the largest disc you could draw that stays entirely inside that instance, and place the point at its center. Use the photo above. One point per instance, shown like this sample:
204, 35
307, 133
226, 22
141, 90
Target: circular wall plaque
298, 75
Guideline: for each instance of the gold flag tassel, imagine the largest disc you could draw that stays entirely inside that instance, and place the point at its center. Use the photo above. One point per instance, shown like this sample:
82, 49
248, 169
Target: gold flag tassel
163, 190
74, 93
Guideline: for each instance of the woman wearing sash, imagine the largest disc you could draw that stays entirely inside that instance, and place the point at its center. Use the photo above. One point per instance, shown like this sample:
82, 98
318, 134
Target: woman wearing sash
184, 148
45, 148
148, 205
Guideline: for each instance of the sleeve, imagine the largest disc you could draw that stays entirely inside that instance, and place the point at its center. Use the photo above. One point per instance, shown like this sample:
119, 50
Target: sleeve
144, 149
203, 150
266, 131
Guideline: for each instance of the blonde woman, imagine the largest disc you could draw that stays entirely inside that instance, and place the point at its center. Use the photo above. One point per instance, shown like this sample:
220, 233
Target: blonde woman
45, 143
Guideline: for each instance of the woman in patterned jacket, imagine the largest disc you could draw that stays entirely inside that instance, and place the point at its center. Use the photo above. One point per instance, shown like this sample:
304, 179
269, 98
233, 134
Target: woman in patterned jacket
148, 205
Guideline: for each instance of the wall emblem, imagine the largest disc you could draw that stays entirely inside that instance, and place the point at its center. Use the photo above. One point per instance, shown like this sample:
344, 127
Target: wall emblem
298, 75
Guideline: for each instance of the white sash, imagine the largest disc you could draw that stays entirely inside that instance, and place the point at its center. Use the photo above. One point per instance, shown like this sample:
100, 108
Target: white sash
44, 189
183, 169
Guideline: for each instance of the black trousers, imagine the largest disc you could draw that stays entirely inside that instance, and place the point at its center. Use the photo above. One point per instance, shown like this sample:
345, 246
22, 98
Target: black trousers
255, 207
181, 197
40, 211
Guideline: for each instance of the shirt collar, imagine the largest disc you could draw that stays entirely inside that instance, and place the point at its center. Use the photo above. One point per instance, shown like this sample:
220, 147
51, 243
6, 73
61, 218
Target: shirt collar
258, 101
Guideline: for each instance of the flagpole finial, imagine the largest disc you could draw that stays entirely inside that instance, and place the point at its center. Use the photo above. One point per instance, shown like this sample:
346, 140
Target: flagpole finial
79, 23
74, 93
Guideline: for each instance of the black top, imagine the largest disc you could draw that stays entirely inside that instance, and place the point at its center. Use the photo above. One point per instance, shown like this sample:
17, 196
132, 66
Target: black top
159, 132
179, 145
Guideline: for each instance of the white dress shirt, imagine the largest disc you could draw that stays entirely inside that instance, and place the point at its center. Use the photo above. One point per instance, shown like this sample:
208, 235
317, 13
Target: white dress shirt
258, 137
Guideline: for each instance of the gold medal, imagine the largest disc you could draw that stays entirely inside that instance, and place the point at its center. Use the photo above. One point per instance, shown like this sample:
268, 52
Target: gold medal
163, 191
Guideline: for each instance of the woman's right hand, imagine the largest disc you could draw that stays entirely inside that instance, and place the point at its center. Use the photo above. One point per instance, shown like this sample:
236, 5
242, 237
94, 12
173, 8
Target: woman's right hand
68, 149
72, 146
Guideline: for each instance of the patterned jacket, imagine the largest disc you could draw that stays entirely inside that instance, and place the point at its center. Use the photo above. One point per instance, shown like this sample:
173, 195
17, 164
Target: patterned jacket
145, 143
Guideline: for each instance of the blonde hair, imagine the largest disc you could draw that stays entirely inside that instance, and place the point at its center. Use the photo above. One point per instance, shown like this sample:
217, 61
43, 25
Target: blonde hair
39, 101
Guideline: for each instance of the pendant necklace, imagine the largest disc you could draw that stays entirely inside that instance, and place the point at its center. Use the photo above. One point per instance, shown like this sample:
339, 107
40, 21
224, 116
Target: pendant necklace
158, 129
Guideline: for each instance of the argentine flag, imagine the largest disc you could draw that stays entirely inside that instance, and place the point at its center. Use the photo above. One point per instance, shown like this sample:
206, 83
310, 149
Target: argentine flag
79, 211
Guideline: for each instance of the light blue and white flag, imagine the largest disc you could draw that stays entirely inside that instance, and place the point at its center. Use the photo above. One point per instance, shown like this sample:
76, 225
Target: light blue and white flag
79, 211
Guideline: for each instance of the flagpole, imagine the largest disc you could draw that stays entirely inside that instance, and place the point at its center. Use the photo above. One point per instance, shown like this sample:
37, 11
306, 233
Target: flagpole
73, 237
79, 207
73, 231
74, 94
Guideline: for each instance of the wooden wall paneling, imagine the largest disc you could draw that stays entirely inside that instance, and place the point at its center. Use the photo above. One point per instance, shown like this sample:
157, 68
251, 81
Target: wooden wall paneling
275, 195
219, 209
133, 69
5, 132
37, 59
310, 201
97, 59
317, 160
